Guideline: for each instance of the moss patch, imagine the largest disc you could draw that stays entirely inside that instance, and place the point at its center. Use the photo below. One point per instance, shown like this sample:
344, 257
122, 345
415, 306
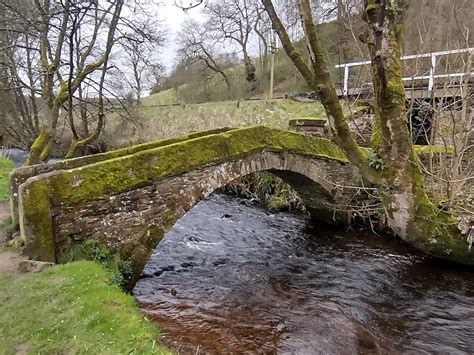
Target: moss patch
72, 309
433, 231
277, 203
122, 174
90, 159
20, 175
35, 207
436, 233
424, 149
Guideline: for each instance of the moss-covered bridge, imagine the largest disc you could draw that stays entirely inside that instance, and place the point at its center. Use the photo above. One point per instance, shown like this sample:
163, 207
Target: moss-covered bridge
127, 199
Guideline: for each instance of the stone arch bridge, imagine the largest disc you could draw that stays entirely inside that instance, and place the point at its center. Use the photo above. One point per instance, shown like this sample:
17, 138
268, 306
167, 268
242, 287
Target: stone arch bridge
127, 199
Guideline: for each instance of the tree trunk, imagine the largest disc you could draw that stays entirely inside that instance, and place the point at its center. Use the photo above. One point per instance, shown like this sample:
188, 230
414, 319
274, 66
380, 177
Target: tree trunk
76, 144
263, 52
322, 85
138, 81
226, 80
410, 214
40, 142
250, 71
83, 112
44, 143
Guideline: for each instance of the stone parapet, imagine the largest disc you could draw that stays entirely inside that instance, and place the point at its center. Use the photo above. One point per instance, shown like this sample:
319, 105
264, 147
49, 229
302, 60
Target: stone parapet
309, 125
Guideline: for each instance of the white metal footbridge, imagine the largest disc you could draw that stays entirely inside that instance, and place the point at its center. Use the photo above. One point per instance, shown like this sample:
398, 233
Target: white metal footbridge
428, 75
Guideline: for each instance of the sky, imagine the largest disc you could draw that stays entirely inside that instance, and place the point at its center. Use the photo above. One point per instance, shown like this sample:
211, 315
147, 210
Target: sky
173, 17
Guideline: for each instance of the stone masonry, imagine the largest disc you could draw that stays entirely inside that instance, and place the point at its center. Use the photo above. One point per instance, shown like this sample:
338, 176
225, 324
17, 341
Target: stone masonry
128, 203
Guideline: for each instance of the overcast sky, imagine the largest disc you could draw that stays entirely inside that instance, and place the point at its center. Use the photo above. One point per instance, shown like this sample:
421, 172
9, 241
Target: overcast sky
172, 18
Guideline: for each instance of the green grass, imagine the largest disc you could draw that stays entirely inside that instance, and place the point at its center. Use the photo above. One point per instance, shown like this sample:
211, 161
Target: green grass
71, 309
6, 166
5, 222
165, 97
172, 121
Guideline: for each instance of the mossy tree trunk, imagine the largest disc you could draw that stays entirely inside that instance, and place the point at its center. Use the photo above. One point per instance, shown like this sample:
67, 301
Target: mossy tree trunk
250, 70
54, 89
43, 145
410, 213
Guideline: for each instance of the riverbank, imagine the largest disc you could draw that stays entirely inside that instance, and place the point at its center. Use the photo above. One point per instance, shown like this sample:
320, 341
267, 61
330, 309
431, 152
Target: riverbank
71, 309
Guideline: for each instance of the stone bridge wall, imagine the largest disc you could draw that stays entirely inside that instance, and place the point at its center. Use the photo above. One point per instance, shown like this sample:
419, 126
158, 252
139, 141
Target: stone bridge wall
20, 175
129, 202
132, 223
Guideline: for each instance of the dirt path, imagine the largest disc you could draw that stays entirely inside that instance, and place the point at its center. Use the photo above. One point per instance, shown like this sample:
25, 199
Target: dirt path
4, 210
4, 214
9, 259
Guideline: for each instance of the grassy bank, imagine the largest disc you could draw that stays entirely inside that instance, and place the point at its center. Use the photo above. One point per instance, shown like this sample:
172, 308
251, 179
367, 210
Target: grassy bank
71, 309
6, 166
158, 122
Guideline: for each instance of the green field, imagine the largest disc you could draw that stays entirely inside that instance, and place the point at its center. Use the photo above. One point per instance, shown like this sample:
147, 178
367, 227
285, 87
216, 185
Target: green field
158, 122
71, 309
165, 97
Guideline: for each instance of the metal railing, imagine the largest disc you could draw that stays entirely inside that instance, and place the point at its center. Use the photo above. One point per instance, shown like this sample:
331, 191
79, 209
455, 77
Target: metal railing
431, 77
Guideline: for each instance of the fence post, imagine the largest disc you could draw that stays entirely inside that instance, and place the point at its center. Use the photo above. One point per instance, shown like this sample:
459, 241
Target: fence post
432, 72
346, 80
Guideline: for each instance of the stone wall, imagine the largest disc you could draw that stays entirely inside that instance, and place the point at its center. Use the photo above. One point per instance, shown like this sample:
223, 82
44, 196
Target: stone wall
20, 175
128, 203
132, 223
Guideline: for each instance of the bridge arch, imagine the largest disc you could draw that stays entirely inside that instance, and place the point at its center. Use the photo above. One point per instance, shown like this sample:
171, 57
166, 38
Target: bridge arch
128, 203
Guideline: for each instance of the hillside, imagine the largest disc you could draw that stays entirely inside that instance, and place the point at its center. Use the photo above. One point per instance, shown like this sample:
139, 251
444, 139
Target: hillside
430, 25
158, 122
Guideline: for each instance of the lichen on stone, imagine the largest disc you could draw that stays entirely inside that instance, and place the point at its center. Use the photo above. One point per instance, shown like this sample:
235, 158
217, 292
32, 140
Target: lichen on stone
35, 209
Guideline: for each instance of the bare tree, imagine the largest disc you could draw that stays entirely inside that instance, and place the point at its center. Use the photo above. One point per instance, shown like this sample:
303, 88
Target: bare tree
61, 77
19, 116
262, 28
141, 43
234, 21
195, 45
186, 5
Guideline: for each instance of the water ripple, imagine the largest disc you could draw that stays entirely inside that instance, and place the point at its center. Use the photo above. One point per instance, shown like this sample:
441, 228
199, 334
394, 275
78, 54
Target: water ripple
234, 278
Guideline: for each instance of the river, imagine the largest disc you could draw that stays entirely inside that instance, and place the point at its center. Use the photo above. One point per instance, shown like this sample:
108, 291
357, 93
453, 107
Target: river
231, 277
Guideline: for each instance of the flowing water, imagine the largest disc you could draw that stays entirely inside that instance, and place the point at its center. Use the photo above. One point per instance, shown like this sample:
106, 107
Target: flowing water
234, 278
